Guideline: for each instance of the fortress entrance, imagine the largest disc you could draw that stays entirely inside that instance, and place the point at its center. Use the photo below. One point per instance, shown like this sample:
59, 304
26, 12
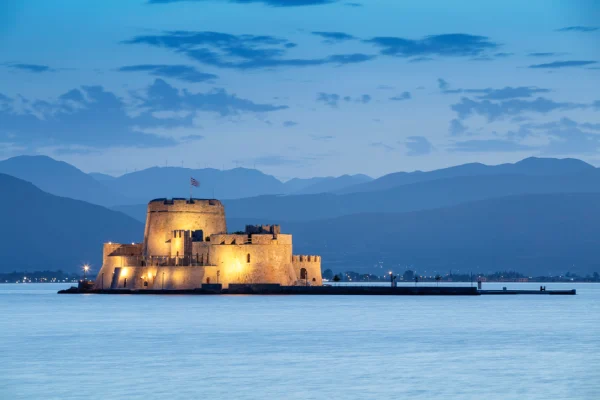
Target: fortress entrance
303, 274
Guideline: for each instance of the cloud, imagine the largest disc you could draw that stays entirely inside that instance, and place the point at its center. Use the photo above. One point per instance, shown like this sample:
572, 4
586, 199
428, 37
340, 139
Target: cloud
271, 3
364, 99
289, 124
511, 92
164, 97
242, 52
331, 99
35, 68
567, 137
498, 110
182, 72
402, 96
457, 128
563, 64
322, 137
88, 116
443, 84
445, 45
490, 145
191, 138
505, 93
381, 145
91, 117
418, 146
503, 55
543, 54
420, 59
333, 37
578, 29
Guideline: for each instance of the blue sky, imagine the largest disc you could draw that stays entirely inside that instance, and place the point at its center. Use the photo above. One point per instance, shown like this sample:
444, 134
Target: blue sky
299, 88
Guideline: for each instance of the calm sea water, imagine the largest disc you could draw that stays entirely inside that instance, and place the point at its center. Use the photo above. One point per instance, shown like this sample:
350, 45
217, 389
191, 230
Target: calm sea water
298, 347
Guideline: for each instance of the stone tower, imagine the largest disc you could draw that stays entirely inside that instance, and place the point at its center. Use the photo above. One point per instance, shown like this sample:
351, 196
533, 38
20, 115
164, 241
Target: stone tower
165, 216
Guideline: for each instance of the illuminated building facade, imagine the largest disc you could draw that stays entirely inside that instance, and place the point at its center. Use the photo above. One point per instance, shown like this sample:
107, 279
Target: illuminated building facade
186, 245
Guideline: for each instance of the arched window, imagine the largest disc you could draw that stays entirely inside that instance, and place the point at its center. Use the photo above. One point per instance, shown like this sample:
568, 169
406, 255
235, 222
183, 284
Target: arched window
248, 258
303, 273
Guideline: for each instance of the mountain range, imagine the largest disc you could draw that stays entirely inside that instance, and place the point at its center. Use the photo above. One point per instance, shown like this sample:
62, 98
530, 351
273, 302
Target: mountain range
41, 231
537, 216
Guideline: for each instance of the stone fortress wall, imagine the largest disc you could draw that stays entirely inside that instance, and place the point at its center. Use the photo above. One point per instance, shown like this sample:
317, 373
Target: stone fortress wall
165, 216
186, 245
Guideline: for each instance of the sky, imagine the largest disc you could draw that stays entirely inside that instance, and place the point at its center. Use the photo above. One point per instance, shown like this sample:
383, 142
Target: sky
299, 88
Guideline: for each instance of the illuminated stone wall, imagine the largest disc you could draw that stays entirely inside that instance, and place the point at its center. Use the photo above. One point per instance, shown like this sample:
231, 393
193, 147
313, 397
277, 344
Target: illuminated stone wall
165, 216
169, 258
312, 264
270, 262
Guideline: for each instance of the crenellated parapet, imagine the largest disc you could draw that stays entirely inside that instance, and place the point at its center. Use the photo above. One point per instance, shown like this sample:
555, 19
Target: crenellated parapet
304, 258
263, 229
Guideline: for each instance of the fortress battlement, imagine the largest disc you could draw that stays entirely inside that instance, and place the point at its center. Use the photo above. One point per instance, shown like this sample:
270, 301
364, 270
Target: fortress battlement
261, 229
255, 239
305, 258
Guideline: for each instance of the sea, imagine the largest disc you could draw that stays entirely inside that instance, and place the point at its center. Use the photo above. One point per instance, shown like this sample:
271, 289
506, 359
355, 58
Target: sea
299, 347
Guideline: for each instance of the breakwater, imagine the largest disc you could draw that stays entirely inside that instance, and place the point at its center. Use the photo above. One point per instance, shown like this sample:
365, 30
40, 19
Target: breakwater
275, 289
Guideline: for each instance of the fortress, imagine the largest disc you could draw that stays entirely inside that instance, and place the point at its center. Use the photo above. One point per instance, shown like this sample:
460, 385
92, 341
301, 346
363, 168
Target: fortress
186, 246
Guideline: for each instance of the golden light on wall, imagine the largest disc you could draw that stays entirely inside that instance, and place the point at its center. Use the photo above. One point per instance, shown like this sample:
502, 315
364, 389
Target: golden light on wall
123, 273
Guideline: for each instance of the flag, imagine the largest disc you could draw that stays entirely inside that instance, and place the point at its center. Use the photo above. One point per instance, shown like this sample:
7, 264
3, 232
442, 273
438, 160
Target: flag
194, 182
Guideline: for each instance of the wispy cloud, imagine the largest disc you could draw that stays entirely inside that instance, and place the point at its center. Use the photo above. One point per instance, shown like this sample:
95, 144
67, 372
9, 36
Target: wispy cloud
488, 145
497, 110
271, 3
418, 146
333, 99
445, 45
402, 96
112, 121
332, 37
578, 29
182, 72
563, 64
381, 145
242, 52
35, 68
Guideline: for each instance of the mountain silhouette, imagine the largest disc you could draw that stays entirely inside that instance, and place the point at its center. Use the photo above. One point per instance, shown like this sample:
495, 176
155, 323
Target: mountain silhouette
157, 182
529, 166
61, 179
537, 234
101, 177
41, 231
332, 184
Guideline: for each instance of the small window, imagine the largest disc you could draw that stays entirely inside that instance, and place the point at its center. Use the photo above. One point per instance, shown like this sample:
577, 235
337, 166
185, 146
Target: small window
248, 258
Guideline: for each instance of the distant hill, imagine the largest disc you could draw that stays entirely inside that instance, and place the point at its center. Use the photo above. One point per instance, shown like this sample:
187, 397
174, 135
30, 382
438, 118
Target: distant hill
417, 196
158, 182
40, 231
530, 166
332, 184
101, 177
535, 234
411, 197
297, 184
61, 179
